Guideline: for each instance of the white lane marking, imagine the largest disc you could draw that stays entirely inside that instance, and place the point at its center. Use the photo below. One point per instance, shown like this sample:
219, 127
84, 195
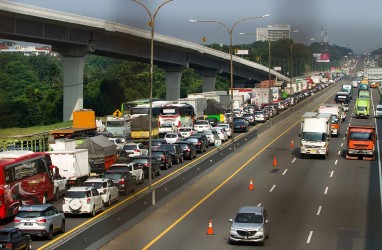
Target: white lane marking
339, 152
342, 144
326, 190
336, 162
273, 187
259, 205
344, 138
293, 160
331, 174
309, 237
319, 210
378, 153
285, 171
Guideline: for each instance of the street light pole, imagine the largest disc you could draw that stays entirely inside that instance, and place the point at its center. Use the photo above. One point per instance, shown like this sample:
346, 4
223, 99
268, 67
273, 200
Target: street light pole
230, 32
152, 25
269, 52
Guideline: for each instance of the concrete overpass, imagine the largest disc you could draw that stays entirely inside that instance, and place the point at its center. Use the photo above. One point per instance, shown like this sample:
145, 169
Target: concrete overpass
73, 36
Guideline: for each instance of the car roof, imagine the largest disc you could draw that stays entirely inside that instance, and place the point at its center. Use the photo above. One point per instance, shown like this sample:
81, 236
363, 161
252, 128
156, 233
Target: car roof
35, 207
251, 209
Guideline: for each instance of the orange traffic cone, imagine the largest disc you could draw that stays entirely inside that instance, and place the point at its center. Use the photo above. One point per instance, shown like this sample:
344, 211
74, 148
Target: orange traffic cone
274, 162
210, 230
251, 186
292, 144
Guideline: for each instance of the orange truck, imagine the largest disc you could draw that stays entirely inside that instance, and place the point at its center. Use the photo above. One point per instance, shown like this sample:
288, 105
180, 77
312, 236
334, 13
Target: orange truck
84, 124
361, 142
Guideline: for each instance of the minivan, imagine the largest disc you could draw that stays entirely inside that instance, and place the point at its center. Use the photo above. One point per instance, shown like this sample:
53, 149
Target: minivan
175, 152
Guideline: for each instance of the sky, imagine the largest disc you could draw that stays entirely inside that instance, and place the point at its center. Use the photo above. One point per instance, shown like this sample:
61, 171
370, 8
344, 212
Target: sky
349, 23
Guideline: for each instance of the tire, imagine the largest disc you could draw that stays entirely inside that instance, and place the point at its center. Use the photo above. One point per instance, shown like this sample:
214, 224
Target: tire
44, 199
93, 213
109, 202
29, 245
49, 236
181, 159
56, 195
177, 160
62, 229
102, 206
153, 174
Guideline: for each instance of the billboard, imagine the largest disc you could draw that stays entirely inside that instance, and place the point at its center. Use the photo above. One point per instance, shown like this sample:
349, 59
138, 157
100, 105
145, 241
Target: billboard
322, 57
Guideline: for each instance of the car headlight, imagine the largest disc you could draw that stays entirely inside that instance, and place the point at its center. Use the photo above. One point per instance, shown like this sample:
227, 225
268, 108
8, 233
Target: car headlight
261, 230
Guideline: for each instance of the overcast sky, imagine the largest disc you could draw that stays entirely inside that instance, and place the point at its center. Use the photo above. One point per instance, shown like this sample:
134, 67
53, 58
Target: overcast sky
350, 23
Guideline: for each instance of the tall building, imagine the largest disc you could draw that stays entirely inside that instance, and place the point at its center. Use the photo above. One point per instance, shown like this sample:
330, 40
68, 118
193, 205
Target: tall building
273, 32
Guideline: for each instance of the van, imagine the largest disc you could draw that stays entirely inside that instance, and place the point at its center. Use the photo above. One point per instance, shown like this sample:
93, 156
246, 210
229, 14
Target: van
378, 111
362, 107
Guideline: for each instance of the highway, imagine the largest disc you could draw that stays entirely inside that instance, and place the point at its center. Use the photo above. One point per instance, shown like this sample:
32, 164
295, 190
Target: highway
312, 203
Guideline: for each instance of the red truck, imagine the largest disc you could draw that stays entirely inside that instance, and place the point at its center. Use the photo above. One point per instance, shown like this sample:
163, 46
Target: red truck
361, 142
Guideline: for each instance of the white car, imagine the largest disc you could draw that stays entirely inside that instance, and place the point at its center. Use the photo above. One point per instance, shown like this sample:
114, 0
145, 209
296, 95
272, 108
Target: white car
186, 131
202, 125
119, 142
378, 111
82, 200
226, 127
134, 149
221, 133
106, 187
135, 170
212, 136
167, 128
173, 137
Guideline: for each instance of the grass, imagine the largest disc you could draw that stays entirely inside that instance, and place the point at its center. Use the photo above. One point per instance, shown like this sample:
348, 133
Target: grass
12, 132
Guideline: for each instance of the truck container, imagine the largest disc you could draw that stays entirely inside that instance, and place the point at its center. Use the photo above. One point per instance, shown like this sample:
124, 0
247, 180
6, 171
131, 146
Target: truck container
73, 165
315, 134
214, 111
267, 83
224, 100
361, 142
362, 108
199, 104
316, 79
335, 110
140, 128
261, 96
84, 124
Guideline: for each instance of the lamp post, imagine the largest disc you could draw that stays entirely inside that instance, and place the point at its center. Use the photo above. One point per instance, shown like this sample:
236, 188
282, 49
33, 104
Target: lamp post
269, 52
152, 25
230, 32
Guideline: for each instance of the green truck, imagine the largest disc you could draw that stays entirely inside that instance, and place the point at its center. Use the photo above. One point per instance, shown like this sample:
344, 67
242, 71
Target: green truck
362, 107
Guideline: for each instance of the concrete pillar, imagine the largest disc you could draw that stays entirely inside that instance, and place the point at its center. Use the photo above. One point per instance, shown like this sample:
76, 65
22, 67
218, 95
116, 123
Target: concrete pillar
173, 79
208, 79
73, 63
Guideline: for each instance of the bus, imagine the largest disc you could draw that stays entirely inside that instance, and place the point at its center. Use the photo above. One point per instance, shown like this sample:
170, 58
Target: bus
144, 109
181, 115
126, 106
26, 177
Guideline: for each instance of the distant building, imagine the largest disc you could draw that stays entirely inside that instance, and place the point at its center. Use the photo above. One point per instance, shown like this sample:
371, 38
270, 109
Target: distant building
12, 47
273, 32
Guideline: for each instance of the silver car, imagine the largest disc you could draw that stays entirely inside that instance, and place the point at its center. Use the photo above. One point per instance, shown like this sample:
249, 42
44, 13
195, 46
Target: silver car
42, 220
251, 224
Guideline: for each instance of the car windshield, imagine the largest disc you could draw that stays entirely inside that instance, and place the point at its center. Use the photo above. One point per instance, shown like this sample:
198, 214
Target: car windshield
360, 136
258, 113
248, 218
77, 194
29, 214
97, 185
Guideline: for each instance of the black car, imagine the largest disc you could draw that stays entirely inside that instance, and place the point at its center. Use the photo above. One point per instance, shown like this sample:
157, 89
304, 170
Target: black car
203, 137
156, 143
122, 177
143, 161
13, 238
198, 143
175, 152
240, 126
164, 156
188, 148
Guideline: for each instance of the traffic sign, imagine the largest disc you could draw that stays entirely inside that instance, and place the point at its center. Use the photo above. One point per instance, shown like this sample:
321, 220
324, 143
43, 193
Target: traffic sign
117, 113
204, 39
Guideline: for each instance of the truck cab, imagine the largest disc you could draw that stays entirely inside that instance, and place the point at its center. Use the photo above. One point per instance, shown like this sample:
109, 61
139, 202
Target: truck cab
361, 142
362, 107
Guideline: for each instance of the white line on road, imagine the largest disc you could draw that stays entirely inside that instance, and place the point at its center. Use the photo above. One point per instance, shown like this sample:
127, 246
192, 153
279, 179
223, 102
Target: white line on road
335, 163
339, 152
273, 187
331, 174
293, 160
309, 237
326, 190
259, 205
319, 210
342, 144
285, 171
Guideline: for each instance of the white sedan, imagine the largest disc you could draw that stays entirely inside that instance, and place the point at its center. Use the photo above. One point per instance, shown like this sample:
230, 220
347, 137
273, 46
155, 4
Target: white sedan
223, 136
173, 137
226, 127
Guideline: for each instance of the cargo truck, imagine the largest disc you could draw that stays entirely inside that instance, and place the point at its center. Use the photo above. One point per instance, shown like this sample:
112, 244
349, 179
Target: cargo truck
199, 104
337, 116
73, 165
140, 128
361, 142
84, 125
261, 96
363, 93
362, 108
315, 134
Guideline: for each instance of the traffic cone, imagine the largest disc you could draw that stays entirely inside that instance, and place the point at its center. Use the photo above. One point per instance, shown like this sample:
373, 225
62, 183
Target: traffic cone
274, 162
251, 186
292, 144
210, 230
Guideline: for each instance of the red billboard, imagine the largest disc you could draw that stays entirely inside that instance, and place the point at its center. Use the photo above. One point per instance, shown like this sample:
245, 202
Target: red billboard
325, 57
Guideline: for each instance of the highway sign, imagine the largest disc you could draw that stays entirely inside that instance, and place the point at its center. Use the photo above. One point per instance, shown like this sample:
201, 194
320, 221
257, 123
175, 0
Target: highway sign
117, 113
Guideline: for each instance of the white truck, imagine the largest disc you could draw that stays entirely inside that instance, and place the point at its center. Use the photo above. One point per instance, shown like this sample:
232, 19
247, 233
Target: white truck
335, 109
73, 165
316, 79
261, 96
315, 134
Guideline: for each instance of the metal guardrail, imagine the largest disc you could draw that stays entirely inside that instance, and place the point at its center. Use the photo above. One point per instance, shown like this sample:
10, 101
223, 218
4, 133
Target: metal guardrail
105, 227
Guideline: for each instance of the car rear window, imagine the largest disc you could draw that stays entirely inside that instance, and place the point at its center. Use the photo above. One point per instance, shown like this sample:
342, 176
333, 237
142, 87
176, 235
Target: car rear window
29, 214
97, 185
185, 129
113, 176
158, 153
129, 147
171, 135
183, 145
140, 161
77, 194
192, 139
4, 236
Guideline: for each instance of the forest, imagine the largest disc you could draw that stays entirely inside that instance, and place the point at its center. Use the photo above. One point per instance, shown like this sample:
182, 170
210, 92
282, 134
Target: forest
31, 86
